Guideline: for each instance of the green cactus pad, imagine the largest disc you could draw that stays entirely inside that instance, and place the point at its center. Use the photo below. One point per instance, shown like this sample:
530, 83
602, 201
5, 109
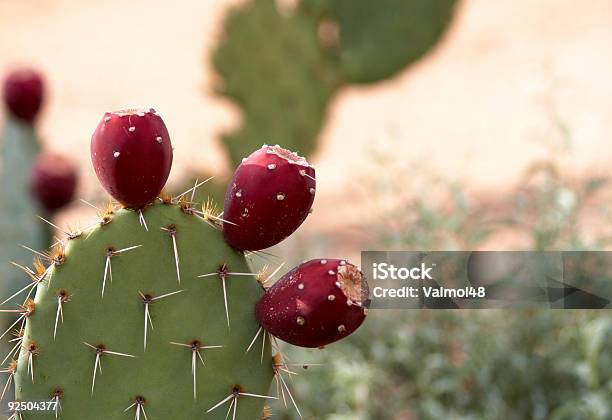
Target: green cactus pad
272, 66
161, 374
379, 38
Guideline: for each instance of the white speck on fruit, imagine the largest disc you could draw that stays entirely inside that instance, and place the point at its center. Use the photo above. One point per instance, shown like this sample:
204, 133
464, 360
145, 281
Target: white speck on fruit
132, 129
116, 154
331, 272
271, 166
323, 261
239, 193
280, 196
159, 139
301, 286
341, 328
312, 191
331, 297
300, 320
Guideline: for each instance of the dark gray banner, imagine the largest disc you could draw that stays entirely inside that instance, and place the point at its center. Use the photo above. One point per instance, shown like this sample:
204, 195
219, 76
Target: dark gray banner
488, 279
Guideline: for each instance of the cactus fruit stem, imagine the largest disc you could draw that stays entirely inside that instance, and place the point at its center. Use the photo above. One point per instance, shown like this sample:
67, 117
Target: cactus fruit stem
233, 397
148, 300
100, 351
195, 347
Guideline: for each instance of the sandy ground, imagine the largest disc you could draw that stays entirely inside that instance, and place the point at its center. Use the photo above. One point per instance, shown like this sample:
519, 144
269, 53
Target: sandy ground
478, 108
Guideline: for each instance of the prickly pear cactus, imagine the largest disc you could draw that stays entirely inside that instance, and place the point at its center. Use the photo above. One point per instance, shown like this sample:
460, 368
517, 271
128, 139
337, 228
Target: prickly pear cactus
273, 68
376, 39
123, 320
160, 298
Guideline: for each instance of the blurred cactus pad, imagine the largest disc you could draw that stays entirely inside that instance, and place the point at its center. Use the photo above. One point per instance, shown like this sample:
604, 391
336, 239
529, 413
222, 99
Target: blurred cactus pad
272, 66
377, 39
281, 65
19, 225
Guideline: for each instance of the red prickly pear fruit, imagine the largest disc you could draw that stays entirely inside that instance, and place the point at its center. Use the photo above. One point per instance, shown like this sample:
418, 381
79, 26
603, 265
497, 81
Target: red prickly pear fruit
23, 93
268, 198
315, 304
132, 155
53, 181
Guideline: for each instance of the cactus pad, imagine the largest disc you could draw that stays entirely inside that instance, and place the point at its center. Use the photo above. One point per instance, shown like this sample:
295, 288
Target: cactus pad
104, 331
379, 38
272, 66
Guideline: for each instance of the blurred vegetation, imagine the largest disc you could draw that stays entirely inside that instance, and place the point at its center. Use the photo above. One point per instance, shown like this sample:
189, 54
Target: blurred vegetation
477, 364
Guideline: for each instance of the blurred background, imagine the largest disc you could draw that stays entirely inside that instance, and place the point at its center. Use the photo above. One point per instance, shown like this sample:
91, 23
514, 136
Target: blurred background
433, 125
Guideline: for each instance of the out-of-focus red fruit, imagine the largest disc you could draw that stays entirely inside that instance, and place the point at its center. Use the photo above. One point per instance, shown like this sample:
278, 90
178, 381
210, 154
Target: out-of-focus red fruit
23, 93
132, 155
53, 181
315, 304
268, 198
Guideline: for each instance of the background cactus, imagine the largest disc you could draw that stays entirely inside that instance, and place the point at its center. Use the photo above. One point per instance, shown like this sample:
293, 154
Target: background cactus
282, 88
375, 40
18, 222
